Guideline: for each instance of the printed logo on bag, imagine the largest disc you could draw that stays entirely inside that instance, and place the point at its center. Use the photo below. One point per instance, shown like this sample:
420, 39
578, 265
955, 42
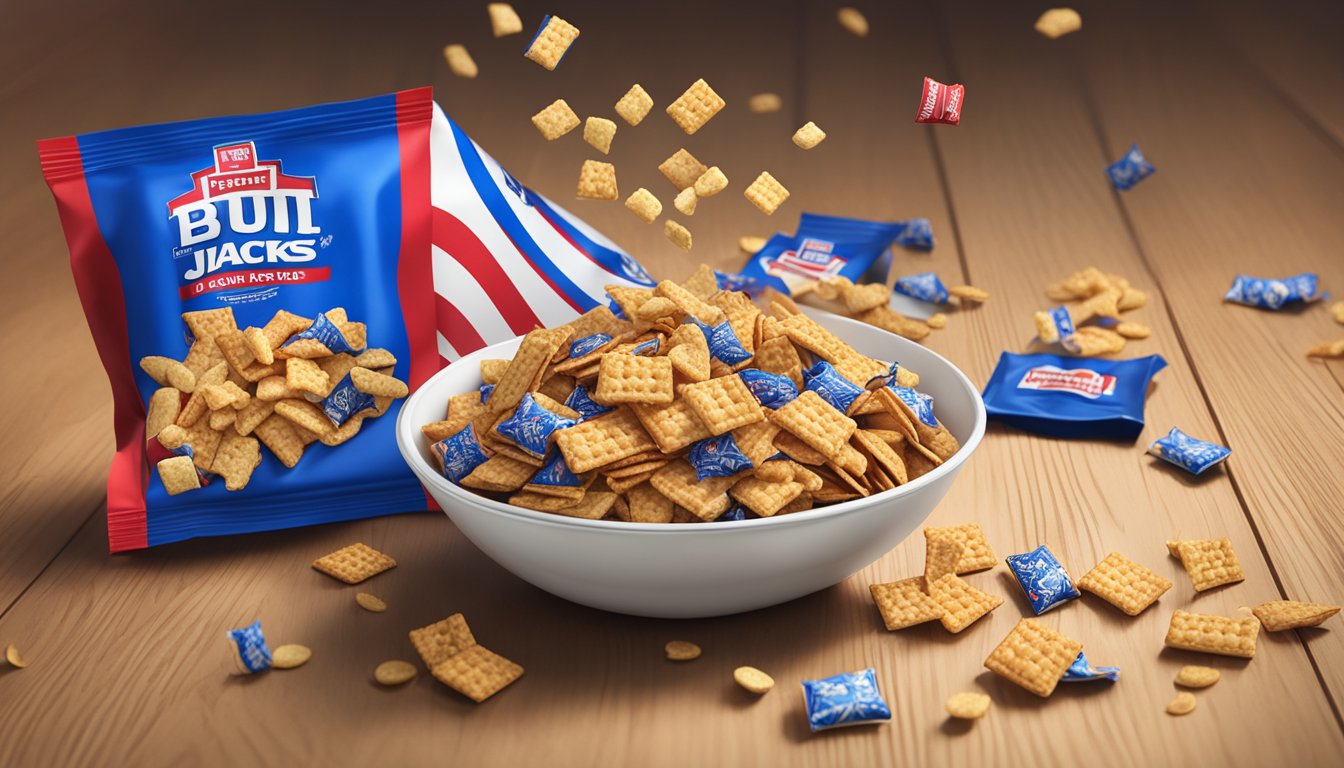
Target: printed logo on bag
813, 259
245, 225
1078, 381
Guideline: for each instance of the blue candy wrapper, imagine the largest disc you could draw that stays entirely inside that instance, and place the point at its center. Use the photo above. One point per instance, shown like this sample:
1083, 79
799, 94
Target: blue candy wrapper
1189, 453
1130, 169
925, 286
772, 390
1060, 327
1268, 293
585, 405
917, 234
847, 699
1071, 397
1042, 578
460, 454
555, 472
325, 333
1082, 671
835, 389
650, 348
731, 281
616, 310
253, 655
918, 402
581, 347
824, 246
723, 342
718, 457
345, 401
531, 426
736, 513
486, 389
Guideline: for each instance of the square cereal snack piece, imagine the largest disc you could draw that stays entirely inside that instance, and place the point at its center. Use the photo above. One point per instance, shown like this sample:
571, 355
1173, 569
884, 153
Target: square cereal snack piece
555, 120
815, 422
552, 42
203, 355
1034, 656
682, 169
1278, 615
443, 639
306, 415
941, 555
536, 350
722, 404
677, 235
904, 603
634, 106
647, 505
235, 459
283, 325
766, 193
503, 19
206, 324
599, 441
593, 505
259, 345
962, 603
1213, 634
695, 107
1210, 563
672, 426
644, 205
460, 61
378, 384
598, 132
597, 181
763, 497
1124, 583
282, 438
251, 417
689, 303
808, 136
711, 182
354, 563
706, 499
500, 474
763, 103
623, 378
978, 555
164, 406
477, 673
178, 475
306, 376
685, 201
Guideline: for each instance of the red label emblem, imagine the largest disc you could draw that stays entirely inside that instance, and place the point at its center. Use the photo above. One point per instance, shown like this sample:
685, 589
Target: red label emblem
1079, 381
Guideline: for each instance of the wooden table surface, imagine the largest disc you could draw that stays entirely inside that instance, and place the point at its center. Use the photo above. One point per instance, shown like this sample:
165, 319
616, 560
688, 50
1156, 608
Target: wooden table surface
1238, 106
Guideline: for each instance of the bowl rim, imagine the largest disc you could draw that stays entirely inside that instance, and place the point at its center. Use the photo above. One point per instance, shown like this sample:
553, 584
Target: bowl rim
421, 467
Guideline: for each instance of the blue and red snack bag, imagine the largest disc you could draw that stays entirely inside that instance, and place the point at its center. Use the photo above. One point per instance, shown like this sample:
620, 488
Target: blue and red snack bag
824, 246
1071, 397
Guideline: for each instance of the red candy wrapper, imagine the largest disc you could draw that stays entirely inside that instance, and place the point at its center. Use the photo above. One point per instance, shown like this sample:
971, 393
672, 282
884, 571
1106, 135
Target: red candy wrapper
940, 103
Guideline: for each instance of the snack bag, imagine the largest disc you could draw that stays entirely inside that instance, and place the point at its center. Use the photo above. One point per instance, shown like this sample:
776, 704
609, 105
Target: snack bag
824, 246
1071, 396
535, 263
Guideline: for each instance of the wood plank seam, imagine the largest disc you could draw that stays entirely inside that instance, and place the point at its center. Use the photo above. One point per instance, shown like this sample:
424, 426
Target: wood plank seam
102, 504
1103, 143
943, 39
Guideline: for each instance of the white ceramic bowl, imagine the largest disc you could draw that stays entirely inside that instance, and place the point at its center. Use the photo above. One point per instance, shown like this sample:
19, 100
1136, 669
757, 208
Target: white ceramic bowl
709, 569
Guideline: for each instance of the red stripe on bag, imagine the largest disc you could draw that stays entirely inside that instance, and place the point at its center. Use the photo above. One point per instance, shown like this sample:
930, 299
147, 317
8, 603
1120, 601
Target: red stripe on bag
456, 239
98, 281
457, 329
415, 273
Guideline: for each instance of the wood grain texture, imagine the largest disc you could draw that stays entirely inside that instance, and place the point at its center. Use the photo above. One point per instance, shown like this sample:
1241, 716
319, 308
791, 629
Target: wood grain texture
128, 662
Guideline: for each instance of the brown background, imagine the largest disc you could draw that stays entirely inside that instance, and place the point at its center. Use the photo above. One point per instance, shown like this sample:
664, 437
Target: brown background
1238, 106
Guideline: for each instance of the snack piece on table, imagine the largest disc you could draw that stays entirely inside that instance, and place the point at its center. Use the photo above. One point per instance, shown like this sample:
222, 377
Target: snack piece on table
1213, 634
1209, 562
753, 680
1278, 615
967, 706
961, 603
1124, 583
1194, 676
904, 603
1034, 657
977, 555
551, 42
354, 563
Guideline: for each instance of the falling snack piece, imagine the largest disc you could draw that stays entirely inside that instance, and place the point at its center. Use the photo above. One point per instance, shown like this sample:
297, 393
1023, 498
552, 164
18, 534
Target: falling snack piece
644, 205
808, 136
679, 235
853, 21
555, 120
1057, 22
686, 201
751, 243
598, 132
711, 182
597, 181
682, 169
460, 61
552, 42
503, 19
766, 193
695, 107
763, 103
634, 106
